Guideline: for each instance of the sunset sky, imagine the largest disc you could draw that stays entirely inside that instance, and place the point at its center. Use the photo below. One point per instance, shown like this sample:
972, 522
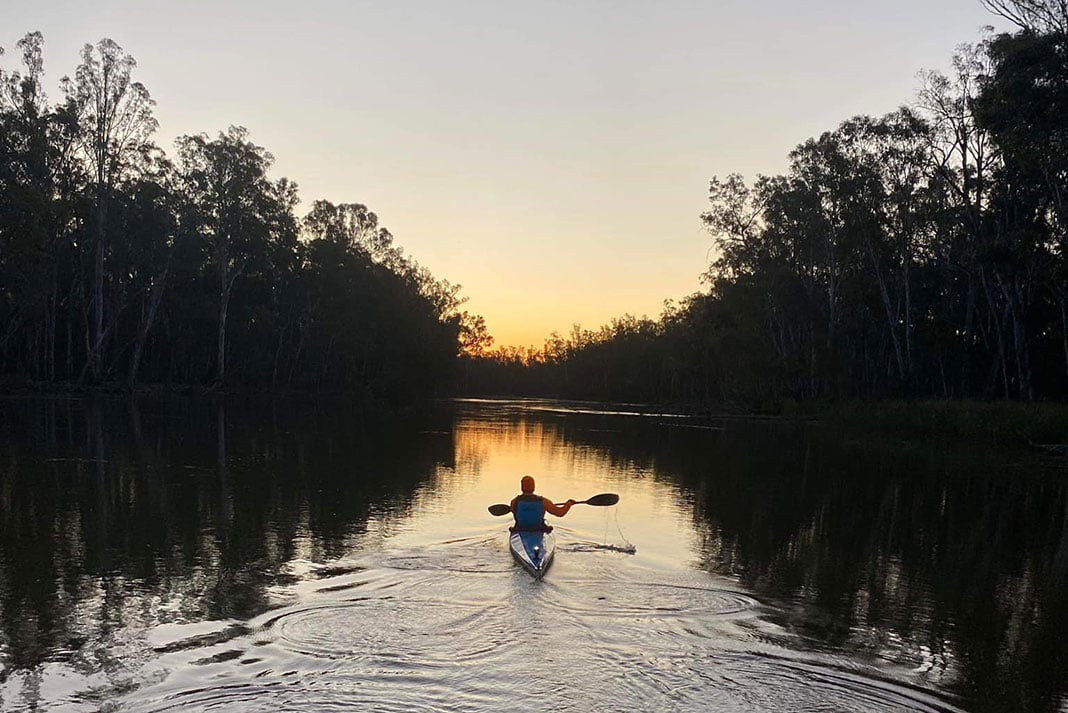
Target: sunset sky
552, 157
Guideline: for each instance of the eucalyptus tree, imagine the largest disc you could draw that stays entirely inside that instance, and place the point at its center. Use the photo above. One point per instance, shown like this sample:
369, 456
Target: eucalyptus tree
235, 210
355, 227
924, 252
826, 248
343, 289
474, 338
734, 221
964, 161
889, 157
1023, 104
115, 125
376, 320
1038, 16
768, 273
150, 211
38, 224
24, 189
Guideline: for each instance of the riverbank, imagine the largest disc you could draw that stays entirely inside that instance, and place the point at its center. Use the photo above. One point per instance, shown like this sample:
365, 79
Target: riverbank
1037, 426
366, 401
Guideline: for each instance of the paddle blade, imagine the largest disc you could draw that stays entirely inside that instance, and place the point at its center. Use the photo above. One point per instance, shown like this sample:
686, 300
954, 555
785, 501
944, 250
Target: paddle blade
603, 499
499, 509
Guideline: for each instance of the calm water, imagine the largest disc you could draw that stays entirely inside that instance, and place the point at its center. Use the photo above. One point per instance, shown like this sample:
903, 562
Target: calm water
194, 556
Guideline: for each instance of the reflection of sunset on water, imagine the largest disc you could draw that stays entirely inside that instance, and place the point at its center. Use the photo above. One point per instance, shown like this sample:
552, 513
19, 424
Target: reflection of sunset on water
282, 555
492, 455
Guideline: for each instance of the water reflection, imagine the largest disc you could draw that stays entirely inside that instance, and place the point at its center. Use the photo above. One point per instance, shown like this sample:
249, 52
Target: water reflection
144, 543
954, 564
115, 517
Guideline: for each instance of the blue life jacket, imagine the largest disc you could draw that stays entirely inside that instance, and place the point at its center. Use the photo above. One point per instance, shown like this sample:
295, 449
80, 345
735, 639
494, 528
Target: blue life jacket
529, 512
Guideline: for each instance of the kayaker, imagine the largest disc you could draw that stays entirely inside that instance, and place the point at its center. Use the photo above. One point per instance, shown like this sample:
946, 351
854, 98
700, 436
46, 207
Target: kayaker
529, 509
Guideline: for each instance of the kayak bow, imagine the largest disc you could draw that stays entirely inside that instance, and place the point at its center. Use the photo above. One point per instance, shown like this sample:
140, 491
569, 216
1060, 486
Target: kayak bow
533, 549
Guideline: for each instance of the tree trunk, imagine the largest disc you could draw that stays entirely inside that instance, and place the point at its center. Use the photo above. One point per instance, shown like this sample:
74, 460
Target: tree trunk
224, 304
70, 346
97, 336
296, 355
226, 286
277, 357
998, 332
155, 297
1016, 301
969, 325
890, 316
1062, 295
96, 349
53, 305
908, 312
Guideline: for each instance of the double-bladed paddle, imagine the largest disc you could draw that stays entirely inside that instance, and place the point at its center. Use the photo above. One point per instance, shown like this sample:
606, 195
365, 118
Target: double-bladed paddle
600, 500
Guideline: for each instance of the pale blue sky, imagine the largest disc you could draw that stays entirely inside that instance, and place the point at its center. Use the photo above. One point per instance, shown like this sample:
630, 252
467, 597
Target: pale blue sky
551, 157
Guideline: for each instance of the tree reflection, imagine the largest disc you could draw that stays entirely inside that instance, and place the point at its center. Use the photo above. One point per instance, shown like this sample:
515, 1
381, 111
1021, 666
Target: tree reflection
954, 564
119, 514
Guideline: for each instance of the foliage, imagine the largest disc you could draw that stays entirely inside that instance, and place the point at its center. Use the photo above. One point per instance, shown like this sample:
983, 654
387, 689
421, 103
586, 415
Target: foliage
991, 423
920, 254
118, 264
914, 255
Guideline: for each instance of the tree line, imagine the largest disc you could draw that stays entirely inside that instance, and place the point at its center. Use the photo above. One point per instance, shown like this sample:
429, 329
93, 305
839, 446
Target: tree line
918, 254
122, 265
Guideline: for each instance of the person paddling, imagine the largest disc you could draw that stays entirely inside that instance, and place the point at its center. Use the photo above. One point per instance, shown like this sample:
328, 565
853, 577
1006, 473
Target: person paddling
529, 509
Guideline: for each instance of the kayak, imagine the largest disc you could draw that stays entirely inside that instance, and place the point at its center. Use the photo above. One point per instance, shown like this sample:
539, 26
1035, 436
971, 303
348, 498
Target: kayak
533, 549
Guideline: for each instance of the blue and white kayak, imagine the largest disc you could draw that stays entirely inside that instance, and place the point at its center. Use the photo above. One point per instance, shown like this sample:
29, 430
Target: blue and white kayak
534, 550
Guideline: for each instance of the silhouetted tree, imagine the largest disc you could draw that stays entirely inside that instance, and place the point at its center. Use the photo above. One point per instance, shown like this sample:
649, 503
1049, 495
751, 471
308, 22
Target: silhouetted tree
1037, 16
921, 253
1023, 105
115, 261
233, 205
114, 116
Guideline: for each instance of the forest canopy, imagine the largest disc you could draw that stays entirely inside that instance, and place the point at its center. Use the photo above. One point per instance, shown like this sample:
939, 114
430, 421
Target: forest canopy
918, 254
120, 264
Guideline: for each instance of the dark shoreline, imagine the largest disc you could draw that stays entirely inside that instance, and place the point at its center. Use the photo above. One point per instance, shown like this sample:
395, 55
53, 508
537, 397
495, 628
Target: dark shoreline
1040, 426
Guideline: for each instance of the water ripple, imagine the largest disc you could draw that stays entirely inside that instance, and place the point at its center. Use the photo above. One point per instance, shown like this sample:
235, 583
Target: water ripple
425, 638
647, 599
386, 630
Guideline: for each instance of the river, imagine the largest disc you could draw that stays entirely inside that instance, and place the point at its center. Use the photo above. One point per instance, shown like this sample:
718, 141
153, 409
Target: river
194, 555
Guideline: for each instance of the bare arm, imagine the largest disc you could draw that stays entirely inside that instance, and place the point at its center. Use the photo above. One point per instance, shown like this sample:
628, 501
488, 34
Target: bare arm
558, 510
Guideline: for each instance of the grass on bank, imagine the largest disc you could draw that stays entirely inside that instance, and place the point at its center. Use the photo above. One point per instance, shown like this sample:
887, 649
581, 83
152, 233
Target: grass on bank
1042, 426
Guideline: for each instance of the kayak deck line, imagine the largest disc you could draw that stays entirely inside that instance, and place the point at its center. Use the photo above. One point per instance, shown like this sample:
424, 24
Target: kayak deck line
533, 550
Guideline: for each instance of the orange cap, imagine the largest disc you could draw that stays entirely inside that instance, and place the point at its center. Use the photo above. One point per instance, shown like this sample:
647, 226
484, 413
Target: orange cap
527, 484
